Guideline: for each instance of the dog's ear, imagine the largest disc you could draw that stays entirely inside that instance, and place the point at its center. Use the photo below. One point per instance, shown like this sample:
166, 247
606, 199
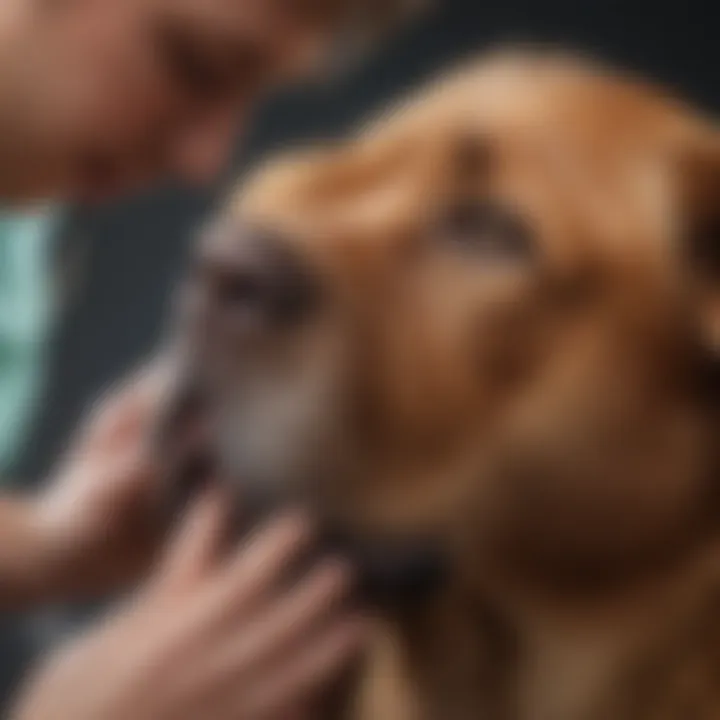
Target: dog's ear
701, 231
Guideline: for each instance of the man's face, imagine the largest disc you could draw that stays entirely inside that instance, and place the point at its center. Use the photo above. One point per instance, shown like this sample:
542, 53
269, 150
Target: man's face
99, 97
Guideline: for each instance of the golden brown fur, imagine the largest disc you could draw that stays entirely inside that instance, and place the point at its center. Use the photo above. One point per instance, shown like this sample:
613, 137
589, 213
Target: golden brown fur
541, 401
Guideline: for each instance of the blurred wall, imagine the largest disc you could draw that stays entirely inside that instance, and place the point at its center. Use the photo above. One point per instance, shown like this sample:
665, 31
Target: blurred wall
131, 253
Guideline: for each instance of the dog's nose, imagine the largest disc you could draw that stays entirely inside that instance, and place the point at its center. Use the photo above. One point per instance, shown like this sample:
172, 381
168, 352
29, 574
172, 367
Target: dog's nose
253, 277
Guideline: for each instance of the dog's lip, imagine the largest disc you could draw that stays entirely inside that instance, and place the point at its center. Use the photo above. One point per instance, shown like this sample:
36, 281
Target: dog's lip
179, 438
393, 571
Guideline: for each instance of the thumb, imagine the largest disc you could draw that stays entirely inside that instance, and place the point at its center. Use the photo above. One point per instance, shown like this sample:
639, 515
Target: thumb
126, 410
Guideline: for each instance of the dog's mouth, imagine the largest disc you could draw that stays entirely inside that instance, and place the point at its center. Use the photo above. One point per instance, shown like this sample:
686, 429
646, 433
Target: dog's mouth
394, 571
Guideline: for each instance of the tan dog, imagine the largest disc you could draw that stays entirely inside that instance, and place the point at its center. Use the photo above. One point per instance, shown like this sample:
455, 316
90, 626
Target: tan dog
493, 319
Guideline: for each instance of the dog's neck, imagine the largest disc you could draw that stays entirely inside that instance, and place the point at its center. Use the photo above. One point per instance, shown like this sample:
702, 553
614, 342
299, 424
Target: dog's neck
444, 659
461, 657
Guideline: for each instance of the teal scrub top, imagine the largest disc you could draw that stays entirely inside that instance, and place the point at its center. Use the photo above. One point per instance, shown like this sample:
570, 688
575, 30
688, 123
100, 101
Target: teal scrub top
26, 310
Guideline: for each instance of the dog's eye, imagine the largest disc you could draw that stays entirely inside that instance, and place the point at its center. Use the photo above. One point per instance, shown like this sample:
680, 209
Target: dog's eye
485, 228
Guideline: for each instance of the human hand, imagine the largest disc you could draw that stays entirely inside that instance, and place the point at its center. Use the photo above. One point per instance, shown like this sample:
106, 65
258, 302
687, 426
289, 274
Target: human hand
98, 515
209, 636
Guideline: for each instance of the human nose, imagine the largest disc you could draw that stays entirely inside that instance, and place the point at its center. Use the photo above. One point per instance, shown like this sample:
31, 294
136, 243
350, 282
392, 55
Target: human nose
201, 148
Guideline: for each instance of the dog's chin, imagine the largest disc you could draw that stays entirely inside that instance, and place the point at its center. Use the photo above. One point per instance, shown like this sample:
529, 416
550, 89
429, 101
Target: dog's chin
394, 571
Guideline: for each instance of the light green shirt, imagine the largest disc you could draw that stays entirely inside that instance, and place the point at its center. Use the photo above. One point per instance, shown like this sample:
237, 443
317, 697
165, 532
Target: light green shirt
26, 307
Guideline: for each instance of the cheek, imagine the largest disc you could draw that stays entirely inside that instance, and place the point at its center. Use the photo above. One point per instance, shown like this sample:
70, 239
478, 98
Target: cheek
503, 346
113, 89
125, 102
507, 331
486, 337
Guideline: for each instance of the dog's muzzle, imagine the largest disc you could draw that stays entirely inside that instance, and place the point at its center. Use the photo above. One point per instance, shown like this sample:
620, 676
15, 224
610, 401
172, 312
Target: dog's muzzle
394, 572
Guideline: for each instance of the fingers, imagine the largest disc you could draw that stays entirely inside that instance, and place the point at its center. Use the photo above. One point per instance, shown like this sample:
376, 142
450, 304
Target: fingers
265, 637
126, 409
197, 544
111, 465
297, 613
114, 477
116, 415
261, 645
123, 474
260, 563
232, 637
309, 669
238, 584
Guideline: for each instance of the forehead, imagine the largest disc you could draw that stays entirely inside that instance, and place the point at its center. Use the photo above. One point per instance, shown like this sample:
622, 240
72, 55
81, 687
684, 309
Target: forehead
570, 145
525, 102
530, 103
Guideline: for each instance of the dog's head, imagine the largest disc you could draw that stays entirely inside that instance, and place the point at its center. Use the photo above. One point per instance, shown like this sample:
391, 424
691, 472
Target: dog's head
491, 319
